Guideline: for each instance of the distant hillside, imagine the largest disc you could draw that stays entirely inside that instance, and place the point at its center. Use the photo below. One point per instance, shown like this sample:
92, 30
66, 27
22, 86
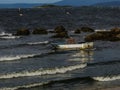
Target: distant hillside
21, 5
81, 2
65, 3
51, 5
112, 3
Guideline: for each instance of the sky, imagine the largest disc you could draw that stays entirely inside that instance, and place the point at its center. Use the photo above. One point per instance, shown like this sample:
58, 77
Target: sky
28, 1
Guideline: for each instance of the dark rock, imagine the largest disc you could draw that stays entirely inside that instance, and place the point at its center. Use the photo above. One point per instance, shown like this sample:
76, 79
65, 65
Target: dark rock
51, 31
93, 37
103, 35
87, 29
23, 31
106, 34
118, 36
59, 29
61, 35
40, 31
60, 32
77, 31
115, 30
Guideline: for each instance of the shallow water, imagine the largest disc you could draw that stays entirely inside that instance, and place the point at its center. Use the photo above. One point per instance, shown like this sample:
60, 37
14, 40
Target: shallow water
28, 62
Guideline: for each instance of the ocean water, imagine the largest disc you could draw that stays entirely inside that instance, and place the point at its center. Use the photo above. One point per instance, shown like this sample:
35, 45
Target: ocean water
29, 63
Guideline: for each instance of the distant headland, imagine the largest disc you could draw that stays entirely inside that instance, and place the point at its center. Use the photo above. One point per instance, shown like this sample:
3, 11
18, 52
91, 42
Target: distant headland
51, 5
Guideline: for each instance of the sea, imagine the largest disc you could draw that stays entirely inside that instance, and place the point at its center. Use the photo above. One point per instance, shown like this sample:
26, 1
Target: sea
30, 63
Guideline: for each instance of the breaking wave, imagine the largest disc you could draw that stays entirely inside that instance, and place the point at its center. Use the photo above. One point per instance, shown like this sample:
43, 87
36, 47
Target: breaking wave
107, 78
5, 34
67, 80
47, 83
98, 30
25, 44
17, 57
42, 72
24, 86
11, 58
10, 37
35, 43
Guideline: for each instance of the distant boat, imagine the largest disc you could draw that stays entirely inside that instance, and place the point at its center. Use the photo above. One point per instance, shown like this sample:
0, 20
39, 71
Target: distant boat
80, 46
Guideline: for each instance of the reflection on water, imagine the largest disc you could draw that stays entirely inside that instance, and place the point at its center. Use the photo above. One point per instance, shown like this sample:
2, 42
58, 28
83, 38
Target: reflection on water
82, 56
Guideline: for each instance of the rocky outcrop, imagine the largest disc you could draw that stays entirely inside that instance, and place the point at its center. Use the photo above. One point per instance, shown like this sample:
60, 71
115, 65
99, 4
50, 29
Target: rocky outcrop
87, 29
115, 30
59, 29
23, 31
40, 31
60, 32
112, 35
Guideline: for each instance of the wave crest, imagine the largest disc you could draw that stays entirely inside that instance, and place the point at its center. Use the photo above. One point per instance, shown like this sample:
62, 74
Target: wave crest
10, 37
24, 86
5, 34
107, 78
11, 58
35, 43
43, 72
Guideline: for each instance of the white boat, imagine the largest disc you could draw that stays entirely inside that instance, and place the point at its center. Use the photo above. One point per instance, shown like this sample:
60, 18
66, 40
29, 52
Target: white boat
81, 46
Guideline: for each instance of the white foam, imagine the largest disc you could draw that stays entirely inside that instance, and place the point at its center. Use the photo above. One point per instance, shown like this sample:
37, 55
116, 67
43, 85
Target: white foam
107, 78
42, 72
35, 43
24, 86
84, 59
10, 37
14, 88
97, 30
5, 34
11, 58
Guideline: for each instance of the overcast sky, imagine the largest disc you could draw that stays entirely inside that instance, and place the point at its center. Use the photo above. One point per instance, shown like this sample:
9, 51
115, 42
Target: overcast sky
28, 1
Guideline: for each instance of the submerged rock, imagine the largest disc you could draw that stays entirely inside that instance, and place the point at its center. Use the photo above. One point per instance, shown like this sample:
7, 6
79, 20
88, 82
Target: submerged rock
23, 31
61, 35
40, 31
51, 31
77, 31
